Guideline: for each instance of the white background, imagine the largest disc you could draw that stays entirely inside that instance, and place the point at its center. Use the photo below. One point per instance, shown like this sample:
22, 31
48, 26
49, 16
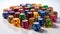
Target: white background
6, 28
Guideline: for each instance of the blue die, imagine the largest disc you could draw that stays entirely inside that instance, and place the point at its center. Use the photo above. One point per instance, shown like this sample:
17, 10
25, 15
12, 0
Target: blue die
42, 13
26, 11
36, 26
5, 15
41, 21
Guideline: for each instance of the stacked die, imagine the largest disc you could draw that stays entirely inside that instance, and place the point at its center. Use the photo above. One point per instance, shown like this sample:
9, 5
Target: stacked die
30, 16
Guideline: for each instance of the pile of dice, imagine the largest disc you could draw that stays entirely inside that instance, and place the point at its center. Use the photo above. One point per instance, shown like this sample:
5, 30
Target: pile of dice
31, 16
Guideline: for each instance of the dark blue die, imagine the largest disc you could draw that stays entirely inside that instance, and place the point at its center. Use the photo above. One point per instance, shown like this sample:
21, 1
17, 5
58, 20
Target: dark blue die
5, 15
36, 26
41, 21
26, 11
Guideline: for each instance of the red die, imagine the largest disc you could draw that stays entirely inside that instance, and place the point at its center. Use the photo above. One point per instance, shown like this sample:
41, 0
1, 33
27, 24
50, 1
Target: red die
25, 24
29, 15
53, 17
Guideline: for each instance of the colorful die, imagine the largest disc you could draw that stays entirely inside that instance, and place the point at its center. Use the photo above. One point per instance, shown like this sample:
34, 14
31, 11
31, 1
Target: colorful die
22, 16
42, 13
25, 24
10, 18
31, 21
36, 26
16, 22
41, 21
35, 14
29, 15
5, 15
48, 22
53, 18
26, 11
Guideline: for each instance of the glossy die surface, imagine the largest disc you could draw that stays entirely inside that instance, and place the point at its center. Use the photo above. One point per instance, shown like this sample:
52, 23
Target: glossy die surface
36, 26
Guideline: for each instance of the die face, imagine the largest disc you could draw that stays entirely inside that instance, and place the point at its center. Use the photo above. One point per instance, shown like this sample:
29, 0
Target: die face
36, 27
31, 21
26, 11
48, 23
53, 18
16, 22
25, 24
22, 16
41, 21
5, 15
29, 15
42, 12
35, 14
10, 18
